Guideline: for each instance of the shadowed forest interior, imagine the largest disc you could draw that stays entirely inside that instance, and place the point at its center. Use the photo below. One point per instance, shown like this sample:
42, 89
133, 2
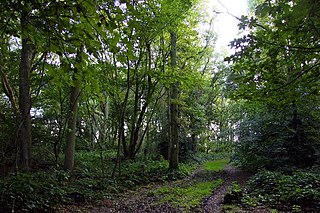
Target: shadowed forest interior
127, 106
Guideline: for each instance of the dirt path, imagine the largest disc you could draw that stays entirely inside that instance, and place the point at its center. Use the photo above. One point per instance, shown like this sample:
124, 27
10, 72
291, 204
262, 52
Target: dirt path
143, 201
230, 174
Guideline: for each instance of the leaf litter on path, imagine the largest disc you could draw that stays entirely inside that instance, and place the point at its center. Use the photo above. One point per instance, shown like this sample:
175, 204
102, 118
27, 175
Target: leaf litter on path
145, 199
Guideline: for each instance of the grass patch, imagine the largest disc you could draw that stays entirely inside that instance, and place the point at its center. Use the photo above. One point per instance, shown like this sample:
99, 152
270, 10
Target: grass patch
216, 165
187, 197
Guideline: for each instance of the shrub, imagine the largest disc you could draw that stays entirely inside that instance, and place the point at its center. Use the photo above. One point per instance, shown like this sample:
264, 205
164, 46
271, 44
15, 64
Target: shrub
285, 191
31, 192
275, 140
142, 172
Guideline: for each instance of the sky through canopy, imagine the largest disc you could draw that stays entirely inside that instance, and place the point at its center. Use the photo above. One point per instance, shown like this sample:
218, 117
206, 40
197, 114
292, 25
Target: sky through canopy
225, 25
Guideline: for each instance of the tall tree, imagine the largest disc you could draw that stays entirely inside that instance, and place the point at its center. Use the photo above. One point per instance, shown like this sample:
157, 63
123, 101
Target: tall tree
73, 110
27, 53
277, 66
174, 109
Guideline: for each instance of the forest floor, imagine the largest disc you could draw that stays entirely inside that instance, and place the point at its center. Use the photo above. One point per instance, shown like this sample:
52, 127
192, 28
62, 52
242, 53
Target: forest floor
145, 200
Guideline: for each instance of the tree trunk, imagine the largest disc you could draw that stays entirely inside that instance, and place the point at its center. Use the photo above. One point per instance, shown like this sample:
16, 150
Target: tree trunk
24, 131
71, 129
174, 111
72, 121
7, 86
104, 106
134, 123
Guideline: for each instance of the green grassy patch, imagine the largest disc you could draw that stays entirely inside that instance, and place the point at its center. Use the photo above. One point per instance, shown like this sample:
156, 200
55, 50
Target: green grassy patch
216, 165
187, 197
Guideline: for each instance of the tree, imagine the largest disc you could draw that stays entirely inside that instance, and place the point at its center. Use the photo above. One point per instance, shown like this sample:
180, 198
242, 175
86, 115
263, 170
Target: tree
27, 54
45, 31
277, 65
82, 55
142, 68
173, 154
11, 29
73, 110
252, 4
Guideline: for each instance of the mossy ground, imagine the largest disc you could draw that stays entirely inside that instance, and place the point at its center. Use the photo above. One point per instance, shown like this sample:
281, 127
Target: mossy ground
187, 197
201, 191
192, 194
216, 165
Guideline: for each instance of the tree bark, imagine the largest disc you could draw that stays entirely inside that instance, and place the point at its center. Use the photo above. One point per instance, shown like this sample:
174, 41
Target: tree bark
72, 122
7, 86
174, 111
24, 130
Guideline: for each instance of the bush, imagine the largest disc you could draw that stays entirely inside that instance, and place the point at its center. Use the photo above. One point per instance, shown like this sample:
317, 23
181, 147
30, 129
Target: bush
285, 190
143, 172
31, 192
275, 140
43, 190
201, 157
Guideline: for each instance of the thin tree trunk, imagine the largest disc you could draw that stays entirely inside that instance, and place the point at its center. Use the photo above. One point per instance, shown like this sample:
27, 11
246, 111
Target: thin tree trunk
9, 91
121, 133
174, 111
24, 134
72, 122
71, 134
135, 124
104, 106
118, 158
139, 119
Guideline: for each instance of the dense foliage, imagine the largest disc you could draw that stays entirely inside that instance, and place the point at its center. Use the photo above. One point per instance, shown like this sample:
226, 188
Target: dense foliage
278, 139
274, 82
102, 96
275, 76
296, 192
45, 190
101, 79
